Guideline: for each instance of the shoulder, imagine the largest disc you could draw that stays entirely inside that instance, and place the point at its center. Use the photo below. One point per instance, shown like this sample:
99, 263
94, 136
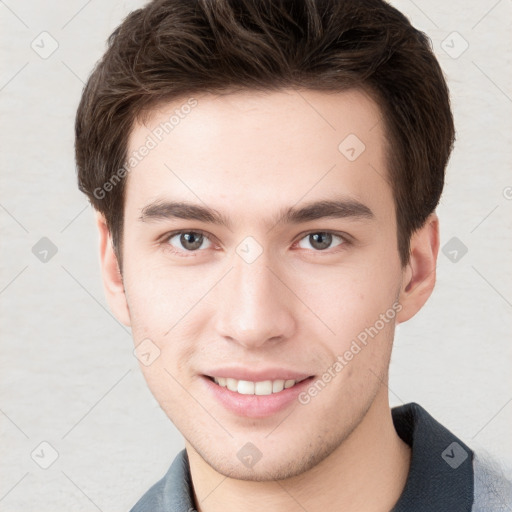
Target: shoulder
171, 493
492, 487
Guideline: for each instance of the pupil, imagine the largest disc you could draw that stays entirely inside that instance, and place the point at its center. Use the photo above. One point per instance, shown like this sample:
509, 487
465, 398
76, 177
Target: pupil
321, 241
191, 240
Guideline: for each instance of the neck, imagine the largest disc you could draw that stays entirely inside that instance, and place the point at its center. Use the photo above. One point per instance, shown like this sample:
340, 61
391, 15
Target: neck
367, 472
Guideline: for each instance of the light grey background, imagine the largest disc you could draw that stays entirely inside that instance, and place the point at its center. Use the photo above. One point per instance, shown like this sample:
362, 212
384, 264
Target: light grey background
68, 374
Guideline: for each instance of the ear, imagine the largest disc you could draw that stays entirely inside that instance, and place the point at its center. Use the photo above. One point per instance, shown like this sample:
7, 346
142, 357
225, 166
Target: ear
419, 276
112, 278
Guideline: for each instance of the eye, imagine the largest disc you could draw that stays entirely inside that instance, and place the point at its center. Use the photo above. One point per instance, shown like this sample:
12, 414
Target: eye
183, 242
188, 241
320, 240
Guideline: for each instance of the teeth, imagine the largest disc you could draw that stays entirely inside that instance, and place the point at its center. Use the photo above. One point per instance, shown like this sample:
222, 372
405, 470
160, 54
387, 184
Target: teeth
265, 387
231, 384
277, 385
245, 387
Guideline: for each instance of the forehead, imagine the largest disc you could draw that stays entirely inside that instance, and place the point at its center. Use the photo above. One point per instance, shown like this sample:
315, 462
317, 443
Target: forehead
249, 151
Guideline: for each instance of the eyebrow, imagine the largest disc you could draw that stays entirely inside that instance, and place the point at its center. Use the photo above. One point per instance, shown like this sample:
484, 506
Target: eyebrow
337, 209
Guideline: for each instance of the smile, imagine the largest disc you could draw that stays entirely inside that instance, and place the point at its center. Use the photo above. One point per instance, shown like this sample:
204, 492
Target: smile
246, 387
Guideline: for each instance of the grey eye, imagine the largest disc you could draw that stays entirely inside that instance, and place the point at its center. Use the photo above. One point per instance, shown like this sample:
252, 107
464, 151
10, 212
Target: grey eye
320, 240
188, 240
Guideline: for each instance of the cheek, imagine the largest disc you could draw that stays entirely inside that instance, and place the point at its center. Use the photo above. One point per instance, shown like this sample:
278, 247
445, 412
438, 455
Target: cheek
167, 306
350, 299
150, 311
159, 297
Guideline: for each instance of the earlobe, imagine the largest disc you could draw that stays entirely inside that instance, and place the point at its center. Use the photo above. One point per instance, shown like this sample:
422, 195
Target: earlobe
419, 276
111, 275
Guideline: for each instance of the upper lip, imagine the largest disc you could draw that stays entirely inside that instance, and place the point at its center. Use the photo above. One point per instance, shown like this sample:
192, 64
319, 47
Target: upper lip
252, 375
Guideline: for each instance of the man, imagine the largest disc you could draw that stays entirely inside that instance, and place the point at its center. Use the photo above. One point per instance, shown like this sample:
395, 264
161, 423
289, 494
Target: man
265, 176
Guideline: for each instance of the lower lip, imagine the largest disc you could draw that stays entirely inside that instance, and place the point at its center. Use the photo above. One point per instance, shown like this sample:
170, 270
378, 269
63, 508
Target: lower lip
255, 406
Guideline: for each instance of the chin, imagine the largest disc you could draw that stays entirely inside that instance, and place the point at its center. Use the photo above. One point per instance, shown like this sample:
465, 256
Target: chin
275, 464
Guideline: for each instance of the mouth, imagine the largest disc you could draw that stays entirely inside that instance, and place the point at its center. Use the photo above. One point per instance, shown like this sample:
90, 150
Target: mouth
255, 398
261, 388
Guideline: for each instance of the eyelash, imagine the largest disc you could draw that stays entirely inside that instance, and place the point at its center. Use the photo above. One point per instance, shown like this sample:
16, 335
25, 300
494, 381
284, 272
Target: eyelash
168, 247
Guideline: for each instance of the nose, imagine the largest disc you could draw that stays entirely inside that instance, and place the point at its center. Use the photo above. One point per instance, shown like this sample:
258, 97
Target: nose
254, 305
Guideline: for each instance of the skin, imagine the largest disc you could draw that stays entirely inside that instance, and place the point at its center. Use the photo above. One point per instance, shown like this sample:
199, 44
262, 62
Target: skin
249, 155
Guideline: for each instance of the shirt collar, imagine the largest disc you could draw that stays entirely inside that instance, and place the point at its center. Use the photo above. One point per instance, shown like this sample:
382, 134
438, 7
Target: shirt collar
441, 472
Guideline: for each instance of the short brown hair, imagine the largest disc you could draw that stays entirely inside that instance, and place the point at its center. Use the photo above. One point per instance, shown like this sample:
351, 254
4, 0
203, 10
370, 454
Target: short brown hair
171, 49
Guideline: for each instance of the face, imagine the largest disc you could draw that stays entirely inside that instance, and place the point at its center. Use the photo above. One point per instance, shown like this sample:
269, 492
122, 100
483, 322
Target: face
262, 275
